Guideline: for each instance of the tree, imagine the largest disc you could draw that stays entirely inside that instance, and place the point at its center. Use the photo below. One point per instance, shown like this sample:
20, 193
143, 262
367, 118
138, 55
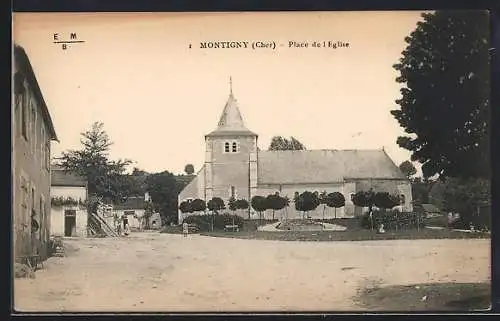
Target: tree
365, 199
385, 200
445, 104
408, 169
105, 177
163, 189
281, 143
307, 201
259, 204
242, 204
461, 195
274, 202
186, 207
335, 200
215, 205
420, 190
138, 182
198, 205
189, 169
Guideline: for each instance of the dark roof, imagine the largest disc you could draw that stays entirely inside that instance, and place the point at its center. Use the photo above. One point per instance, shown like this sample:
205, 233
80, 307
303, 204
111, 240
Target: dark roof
324, 166
430, 208
61, 178
23, 66
132, 203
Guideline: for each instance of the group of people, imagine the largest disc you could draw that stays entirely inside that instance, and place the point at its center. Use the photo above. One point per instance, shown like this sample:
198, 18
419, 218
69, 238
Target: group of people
122, 221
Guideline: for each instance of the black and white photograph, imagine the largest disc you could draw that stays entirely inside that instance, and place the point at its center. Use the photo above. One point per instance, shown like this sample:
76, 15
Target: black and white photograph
251, 162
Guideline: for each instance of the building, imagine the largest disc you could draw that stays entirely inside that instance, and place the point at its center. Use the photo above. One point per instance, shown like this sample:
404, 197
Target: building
32, 131
69, 195
134, 208
234, 166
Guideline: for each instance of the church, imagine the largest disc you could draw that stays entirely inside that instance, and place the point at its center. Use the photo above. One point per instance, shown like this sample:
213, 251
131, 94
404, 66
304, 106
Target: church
235, 167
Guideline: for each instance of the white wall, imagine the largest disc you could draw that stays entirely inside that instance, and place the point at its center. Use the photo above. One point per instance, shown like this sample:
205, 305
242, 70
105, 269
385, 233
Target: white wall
74, 192
132, 221
57, 221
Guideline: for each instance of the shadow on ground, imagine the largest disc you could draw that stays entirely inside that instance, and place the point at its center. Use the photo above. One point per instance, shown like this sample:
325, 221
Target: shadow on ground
427, 297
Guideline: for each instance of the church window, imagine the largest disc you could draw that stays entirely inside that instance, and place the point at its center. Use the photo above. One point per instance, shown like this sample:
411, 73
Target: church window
226, 147
235, 147
402, 199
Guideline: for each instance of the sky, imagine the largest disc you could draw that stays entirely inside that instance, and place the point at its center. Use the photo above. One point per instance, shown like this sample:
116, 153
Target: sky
146, 77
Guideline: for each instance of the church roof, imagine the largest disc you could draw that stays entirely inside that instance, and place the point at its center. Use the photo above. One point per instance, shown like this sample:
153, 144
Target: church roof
324, 166
231, 122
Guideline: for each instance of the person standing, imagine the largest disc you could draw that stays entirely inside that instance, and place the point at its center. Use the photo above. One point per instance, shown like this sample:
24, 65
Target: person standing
125, 224
185, 229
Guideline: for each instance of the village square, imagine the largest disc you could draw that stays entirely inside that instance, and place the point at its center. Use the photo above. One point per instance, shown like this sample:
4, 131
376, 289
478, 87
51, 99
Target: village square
261, 225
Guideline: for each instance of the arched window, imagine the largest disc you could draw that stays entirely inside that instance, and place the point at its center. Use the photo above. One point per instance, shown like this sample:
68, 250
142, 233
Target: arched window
226, 147
235, 147
402, 199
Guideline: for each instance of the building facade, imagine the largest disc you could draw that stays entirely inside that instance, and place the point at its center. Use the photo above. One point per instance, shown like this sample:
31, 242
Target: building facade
235, 167
69, 195
32, 131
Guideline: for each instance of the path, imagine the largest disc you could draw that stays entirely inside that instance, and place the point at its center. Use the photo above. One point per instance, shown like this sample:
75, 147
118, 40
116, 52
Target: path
166, 272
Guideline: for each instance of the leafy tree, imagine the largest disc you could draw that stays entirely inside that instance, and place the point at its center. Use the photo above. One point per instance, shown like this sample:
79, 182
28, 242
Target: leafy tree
335, 200
365, 199
407, 168
189, 169
215, 205
385, 200
323, 200
445, 104
275, 202
420, 190
242, 204
307, 201
105, 177
137, 182
281, 143
163, 189
198, 205
259, 204
186, 207
282, 203
461, 195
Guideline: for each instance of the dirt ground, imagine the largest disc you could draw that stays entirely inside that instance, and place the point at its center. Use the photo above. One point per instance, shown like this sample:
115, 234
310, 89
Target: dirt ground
153, 272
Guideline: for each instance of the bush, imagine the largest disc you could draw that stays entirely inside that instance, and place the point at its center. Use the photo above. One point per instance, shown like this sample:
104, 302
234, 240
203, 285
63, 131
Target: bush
481, 222
204, 222
392, 220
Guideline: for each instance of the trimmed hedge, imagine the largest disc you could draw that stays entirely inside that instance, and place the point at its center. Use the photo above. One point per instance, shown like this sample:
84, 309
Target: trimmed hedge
204, 222
393, 220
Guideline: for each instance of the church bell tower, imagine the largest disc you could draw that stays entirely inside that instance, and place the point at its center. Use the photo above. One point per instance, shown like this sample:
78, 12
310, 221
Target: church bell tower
231, 156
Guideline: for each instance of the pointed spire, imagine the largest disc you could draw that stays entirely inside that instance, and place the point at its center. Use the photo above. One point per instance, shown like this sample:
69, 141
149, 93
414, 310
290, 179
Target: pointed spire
231, 120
